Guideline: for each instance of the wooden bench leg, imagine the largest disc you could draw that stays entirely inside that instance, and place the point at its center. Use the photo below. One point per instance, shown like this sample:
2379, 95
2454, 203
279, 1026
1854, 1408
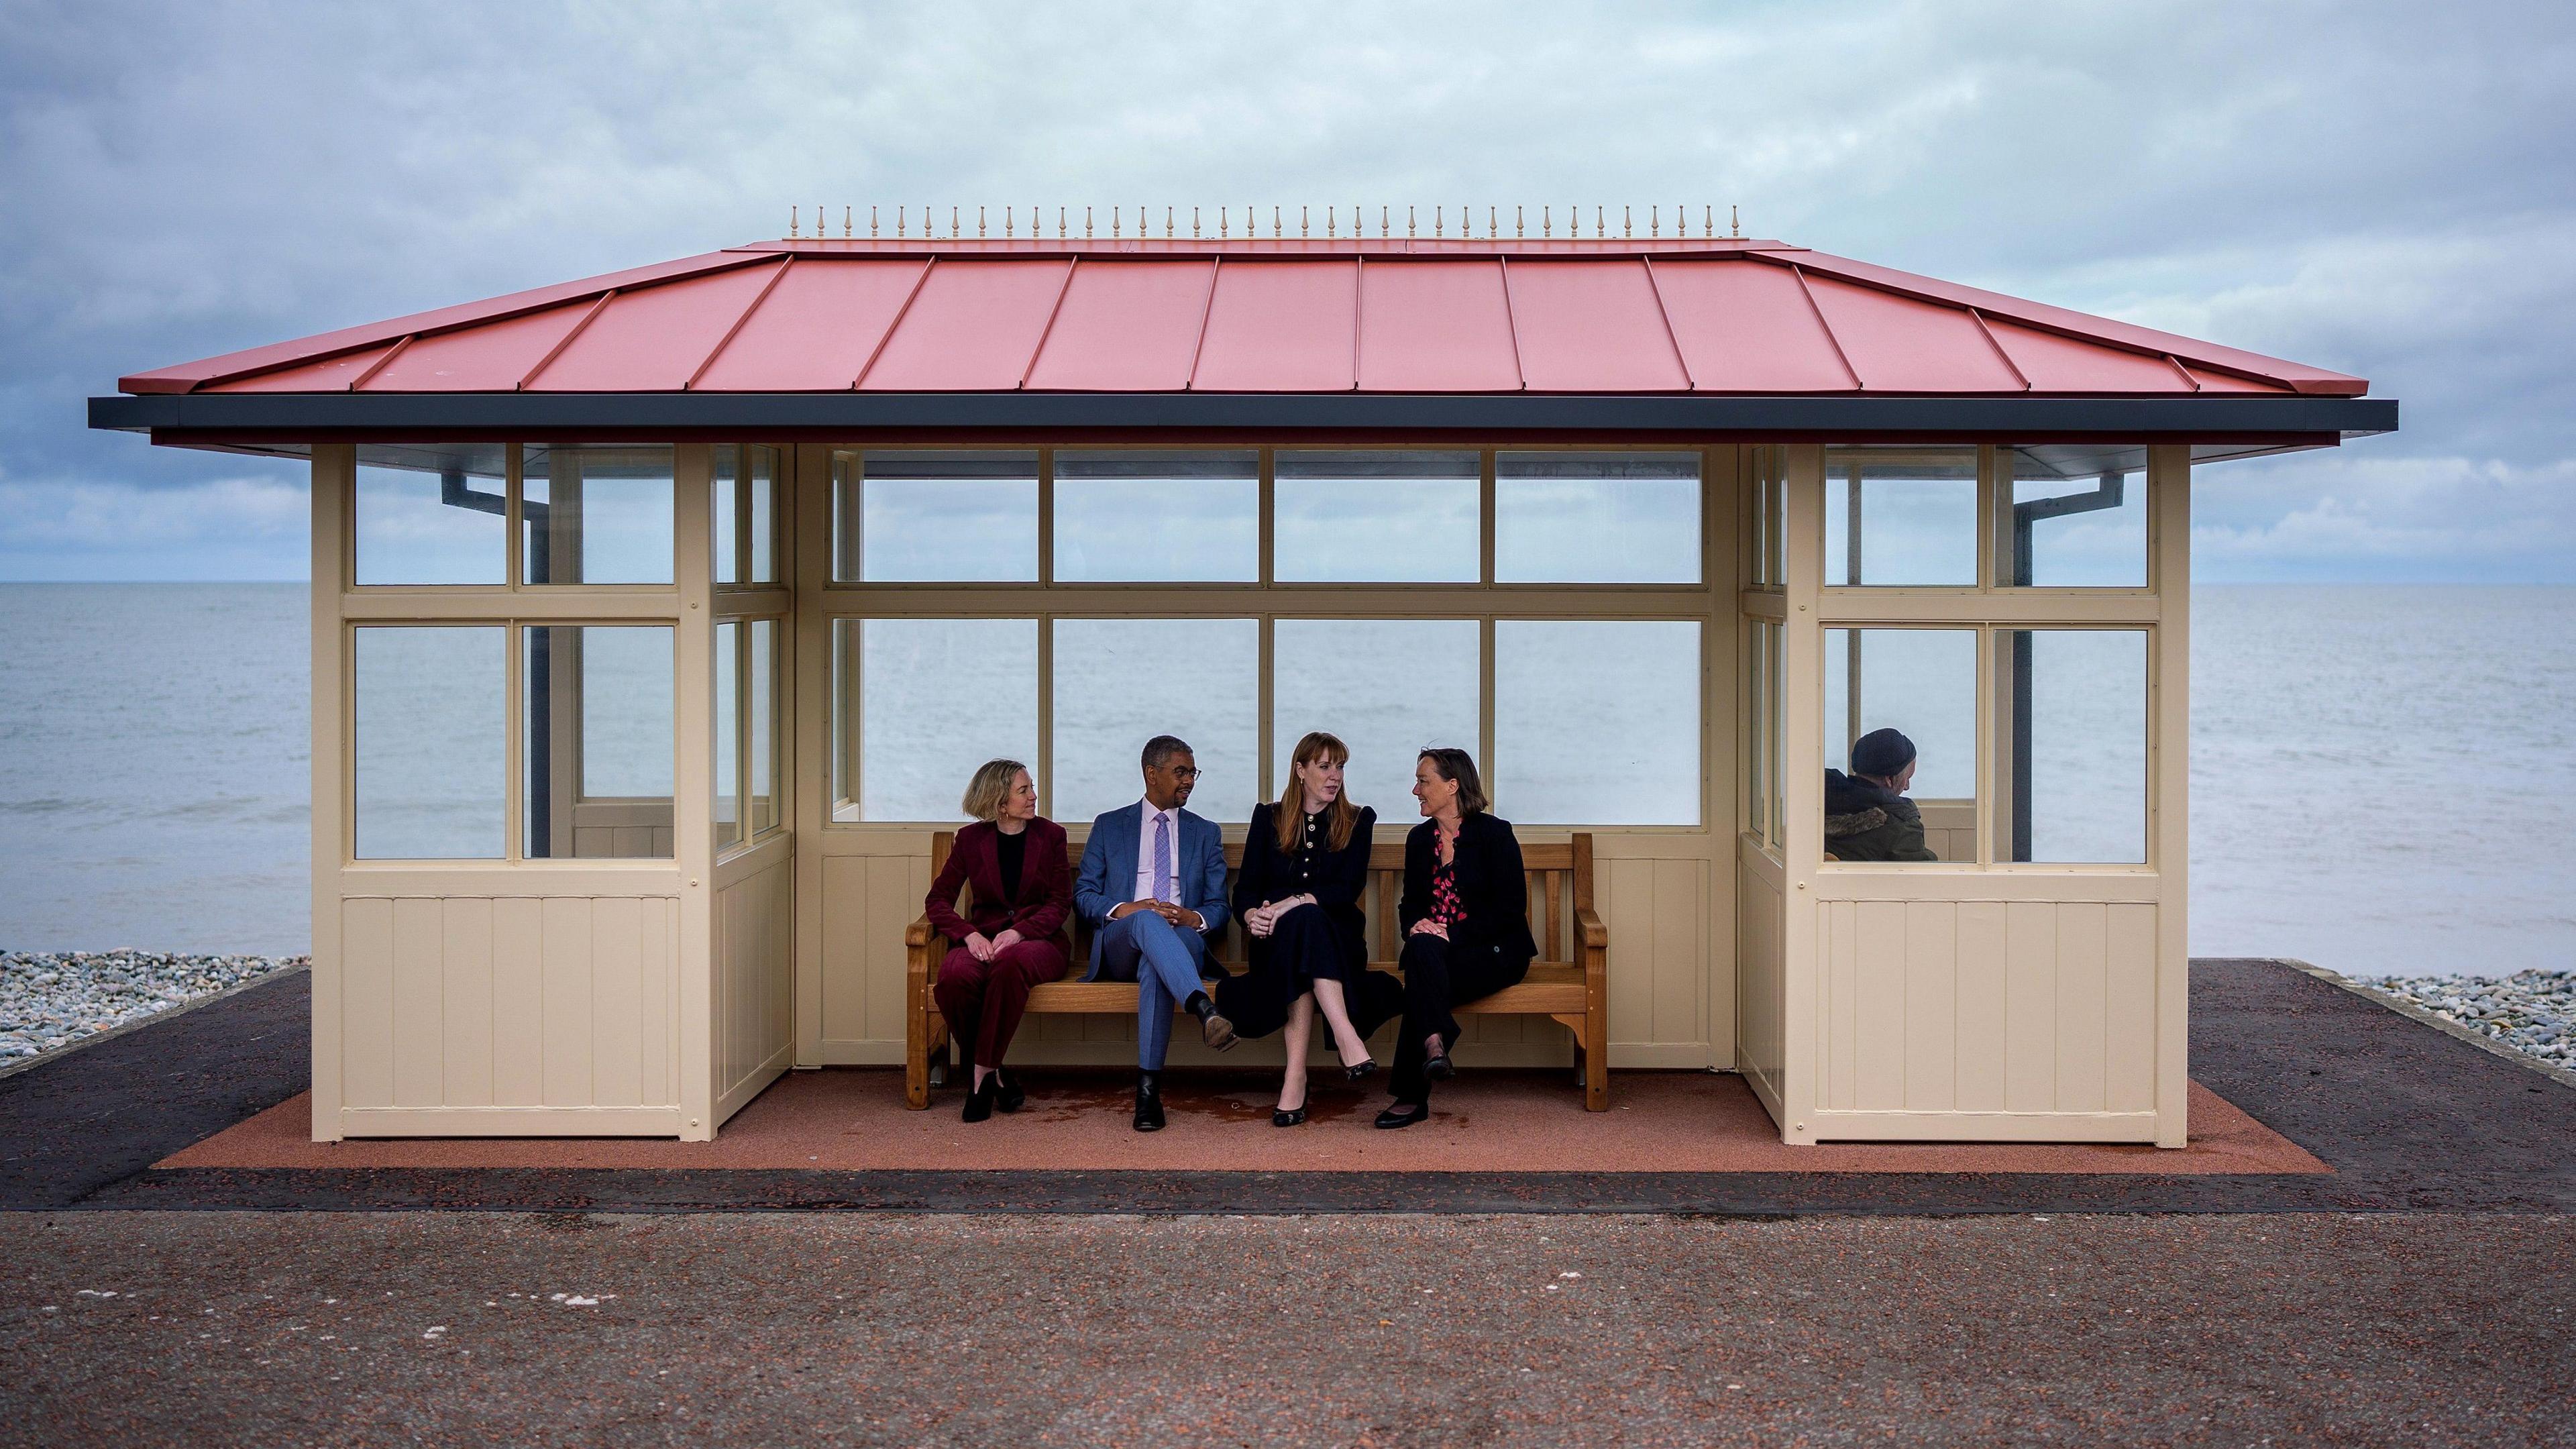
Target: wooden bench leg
916, 1063
1596, 1063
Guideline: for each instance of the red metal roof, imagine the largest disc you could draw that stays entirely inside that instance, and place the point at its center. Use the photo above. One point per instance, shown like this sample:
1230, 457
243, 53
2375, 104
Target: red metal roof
1629, 316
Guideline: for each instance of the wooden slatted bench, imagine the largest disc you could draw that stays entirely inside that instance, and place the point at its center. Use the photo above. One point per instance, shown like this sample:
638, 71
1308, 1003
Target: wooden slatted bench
1568, 982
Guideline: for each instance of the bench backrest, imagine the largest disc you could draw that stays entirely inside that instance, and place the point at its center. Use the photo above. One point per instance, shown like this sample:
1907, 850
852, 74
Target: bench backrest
1559, 873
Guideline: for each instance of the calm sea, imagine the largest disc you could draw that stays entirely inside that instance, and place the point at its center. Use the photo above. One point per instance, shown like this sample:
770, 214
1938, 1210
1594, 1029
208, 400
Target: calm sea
2380, 776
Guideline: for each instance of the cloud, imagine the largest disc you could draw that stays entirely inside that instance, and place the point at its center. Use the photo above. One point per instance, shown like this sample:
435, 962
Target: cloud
2378, 188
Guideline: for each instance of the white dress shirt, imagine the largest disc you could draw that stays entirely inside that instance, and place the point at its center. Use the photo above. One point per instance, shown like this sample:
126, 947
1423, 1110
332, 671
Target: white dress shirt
1144, 884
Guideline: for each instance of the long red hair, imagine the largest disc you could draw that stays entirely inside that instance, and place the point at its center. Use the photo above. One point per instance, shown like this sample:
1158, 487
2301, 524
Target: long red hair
1340, 818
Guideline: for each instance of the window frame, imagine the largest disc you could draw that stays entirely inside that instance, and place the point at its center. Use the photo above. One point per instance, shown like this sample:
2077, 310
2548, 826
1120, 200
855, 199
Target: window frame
1269, 599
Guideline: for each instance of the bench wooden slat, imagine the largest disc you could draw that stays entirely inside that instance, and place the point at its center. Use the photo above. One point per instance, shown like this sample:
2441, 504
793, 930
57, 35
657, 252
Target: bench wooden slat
1569, 982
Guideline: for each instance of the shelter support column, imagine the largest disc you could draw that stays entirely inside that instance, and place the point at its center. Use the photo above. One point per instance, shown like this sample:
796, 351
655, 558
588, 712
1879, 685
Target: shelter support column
1802, 776
2169, 492
334, 464
693, 795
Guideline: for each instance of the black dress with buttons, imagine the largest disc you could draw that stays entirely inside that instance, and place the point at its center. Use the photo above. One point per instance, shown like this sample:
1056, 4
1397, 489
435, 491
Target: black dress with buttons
1325, 941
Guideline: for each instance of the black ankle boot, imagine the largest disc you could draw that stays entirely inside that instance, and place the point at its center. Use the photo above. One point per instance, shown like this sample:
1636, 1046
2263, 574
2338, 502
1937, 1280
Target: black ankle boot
1149, 1102
1214, 1029
979, 1102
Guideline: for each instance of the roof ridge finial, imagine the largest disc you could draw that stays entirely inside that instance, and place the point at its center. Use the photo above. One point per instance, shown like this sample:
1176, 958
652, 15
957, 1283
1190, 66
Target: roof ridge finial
846, 212
1734, 222
792, 223
1167, 222
979, 223
872, 221
1006, 221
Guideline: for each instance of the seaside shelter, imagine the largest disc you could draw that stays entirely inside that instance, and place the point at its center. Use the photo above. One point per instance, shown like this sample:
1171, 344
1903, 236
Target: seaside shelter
660, 617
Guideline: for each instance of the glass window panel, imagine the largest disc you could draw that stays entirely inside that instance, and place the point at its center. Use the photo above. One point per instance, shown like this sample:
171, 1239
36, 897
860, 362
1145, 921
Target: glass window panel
432, 742
724, 514
598, 748
1757, 726
1388, 517
1158, 517
2074, 761
762, 464
760, 730
1757, 534
1596, 518
728, 734
596, 513
2078, 518
1386, 687
932, 699
935, 517
430, 513
1596, 722
1778, 534
1918, 516
1120, 682
1923, 683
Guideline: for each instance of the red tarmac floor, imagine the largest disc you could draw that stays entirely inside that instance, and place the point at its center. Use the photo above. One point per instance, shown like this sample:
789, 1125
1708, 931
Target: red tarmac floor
854, 1118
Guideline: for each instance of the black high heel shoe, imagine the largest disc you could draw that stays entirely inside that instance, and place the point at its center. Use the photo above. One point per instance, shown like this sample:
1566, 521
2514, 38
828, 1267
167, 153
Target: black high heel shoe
1012, 1096
1391, 1118
1287, 1116
1358, 1071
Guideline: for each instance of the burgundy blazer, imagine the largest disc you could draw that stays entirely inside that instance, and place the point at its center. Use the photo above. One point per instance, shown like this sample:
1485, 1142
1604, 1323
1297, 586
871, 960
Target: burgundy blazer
1045, 901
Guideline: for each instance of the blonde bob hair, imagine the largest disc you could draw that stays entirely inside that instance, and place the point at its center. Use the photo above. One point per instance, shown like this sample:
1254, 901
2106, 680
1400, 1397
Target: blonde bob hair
991, 788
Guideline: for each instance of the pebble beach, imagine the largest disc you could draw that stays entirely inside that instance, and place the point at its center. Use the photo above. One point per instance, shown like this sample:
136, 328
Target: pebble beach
2533, 1012
51, 999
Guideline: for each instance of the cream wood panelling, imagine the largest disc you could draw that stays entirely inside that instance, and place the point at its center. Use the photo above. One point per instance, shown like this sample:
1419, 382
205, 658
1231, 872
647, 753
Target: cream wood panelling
621, 830
505, 1003
1987, 1006
755, 978
1761, 979
1950, 830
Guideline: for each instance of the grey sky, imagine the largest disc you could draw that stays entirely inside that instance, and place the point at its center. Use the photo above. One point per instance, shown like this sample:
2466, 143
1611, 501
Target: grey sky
2382, 189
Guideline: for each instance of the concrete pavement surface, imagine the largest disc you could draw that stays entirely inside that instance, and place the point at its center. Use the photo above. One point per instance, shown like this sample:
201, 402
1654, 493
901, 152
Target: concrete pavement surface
145, 1328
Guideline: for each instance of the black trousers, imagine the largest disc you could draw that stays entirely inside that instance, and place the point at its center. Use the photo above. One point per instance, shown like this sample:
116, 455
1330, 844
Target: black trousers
1301, 950
1437, 978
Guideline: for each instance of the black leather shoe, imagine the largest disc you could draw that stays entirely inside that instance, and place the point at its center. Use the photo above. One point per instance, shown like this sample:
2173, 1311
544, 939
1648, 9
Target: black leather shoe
979, 1102
1012, 1096
1394, 1116
1149, 1108
1217, 1031
1438, 1068
1358, 1071
1287, 1117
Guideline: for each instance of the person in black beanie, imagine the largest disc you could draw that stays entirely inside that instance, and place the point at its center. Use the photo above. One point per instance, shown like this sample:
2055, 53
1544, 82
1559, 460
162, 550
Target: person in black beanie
1867, 816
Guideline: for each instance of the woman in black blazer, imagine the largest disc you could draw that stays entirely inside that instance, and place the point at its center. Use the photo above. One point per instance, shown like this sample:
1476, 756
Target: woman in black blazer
1466, 922
1305, 865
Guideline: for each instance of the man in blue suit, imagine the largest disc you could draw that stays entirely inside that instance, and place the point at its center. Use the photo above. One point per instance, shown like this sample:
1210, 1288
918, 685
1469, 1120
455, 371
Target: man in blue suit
1152, 888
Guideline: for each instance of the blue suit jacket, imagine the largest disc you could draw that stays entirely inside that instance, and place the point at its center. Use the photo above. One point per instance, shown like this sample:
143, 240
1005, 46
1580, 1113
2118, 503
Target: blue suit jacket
1108, 873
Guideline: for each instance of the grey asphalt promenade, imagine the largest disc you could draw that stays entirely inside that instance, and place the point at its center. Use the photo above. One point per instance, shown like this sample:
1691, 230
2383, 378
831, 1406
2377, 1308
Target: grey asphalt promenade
810, 1328
2420, 1293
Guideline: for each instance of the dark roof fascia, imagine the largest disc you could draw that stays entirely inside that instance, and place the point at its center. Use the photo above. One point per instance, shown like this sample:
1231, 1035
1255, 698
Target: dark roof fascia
237, 419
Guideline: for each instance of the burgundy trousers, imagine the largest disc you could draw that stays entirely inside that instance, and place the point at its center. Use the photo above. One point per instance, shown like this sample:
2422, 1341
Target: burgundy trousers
983, 1000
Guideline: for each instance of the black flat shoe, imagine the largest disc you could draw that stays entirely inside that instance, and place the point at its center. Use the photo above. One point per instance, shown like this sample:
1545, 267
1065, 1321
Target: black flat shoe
1217, 1032
1438, 1068
1149, 1110
1012, 1096
1358, 1071
979, 1102
1287, 1116
1392, 1118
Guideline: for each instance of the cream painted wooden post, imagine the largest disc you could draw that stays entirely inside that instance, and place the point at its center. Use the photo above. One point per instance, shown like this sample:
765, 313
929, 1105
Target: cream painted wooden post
1802, 786
692, 804
1722, 477
810, 556
2169, 489
334, 465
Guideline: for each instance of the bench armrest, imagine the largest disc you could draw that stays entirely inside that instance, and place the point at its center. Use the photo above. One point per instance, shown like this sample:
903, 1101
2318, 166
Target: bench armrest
919, 937
1587, 924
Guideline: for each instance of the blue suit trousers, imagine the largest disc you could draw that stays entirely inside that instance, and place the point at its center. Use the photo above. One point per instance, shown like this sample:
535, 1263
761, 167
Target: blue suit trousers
1167, 965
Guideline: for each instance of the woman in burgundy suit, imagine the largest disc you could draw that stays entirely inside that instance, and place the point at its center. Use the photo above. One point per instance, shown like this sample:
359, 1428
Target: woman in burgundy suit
1014, 936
